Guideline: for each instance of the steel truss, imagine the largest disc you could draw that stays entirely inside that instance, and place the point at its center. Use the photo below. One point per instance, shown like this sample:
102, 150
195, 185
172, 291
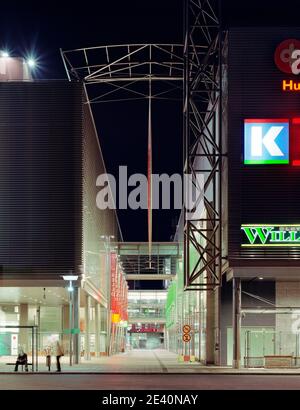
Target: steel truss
124, 71
203, 153
130, 72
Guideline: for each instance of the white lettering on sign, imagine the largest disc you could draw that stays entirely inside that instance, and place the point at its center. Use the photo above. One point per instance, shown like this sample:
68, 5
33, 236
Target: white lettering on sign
258, 140
296, 62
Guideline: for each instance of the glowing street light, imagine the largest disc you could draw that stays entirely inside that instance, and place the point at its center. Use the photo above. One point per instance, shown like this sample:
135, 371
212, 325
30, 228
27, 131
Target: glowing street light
70, 278
4, 54
31, 62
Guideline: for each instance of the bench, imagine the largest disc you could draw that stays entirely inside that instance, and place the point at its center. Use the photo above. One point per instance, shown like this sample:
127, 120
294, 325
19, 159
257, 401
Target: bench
277, 361
13, 364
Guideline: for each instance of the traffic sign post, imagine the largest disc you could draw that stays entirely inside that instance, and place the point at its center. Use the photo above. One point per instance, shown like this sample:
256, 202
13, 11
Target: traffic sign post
186, 337
186, 328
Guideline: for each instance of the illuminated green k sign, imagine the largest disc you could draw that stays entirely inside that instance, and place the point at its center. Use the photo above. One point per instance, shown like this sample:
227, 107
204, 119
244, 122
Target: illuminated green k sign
271, 235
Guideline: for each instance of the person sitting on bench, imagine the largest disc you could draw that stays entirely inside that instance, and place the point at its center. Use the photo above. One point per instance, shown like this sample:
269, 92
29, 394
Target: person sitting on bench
22, 360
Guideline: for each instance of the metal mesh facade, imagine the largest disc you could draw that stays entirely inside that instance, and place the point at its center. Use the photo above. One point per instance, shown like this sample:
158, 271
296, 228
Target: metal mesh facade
50, 158
40, 176
96, 222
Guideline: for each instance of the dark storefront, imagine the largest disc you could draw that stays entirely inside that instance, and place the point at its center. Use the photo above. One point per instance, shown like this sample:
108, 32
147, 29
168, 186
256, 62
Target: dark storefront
263, 194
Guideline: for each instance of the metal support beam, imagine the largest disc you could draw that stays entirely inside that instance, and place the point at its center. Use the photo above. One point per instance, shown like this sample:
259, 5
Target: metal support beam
76, 325
236, 322
97, 329
87, 327
23, 333
149, 276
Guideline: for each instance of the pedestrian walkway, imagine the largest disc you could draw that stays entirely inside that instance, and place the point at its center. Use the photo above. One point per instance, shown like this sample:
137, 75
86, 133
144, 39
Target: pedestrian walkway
134, 361
141, 361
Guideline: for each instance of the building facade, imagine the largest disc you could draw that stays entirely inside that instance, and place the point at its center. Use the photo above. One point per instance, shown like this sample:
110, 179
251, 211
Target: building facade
263, 175
51, 226
250, 320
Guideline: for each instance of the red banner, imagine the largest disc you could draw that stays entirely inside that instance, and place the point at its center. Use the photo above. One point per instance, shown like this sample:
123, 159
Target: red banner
119, 289
113, 283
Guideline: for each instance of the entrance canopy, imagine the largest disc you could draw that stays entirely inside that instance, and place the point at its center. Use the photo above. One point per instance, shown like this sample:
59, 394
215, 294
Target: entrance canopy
271, 273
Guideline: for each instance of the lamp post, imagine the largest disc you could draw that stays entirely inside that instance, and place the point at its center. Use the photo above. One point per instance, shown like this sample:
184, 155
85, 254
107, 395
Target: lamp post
70, 279
108, 238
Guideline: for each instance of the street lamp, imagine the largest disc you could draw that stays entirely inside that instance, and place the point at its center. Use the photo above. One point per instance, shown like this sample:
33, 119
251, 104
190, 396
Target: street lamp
31, 63
70, 279
107, 237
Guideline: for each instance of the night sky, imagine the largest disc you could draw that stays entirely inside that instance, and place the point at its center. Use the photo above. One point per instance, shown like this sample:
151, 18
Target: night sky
41, 28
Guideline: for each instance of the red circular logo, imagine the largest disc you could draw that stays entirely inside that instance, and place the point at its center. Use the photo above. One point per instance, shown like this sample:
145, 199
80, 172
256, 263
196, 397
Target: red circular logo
283, 54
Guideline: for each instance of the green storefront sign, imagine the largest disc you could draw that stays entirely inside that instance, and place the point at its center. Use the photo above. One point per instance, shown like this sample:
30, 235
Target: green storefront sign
170, 305
270, 235
73, 331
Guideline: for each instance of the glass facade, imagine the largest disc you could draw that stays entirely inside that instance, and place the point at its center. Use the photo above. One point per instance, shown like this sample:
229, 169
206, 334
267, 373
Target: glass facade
146, 317
186, 309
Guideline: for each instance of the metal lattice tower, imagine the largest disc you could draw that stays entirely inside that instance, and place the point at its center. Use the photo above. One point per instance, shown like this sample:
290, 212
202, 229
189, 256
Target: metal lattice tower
203, 153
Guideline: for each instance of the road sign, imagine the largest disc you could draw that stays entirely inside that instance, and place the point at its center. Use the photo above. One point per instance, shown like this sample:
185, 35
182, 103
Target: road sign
186, 337
186, 328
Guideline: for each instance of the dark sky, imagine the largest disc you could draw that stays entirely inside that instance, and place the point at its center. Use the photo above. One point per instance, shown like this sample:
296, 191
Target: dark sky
42, 28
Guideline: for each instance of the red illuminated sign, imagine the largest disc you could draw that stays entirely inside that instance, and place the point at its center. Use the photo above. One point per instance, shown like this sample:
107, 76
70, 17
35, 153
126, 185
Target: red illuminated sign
118, 291
146, 328
295, 142
114, 283
287, 56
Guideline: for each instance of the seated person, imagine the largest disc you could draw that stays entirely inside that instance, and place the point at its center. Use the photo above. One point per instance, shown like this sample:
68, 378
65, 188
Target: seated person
21, 359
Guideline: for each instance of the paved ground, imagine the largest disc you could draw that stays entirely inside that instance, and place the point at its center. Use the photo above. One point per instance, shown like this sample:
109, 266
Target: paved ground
135, 361
141, 362
145, 370
147, 382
